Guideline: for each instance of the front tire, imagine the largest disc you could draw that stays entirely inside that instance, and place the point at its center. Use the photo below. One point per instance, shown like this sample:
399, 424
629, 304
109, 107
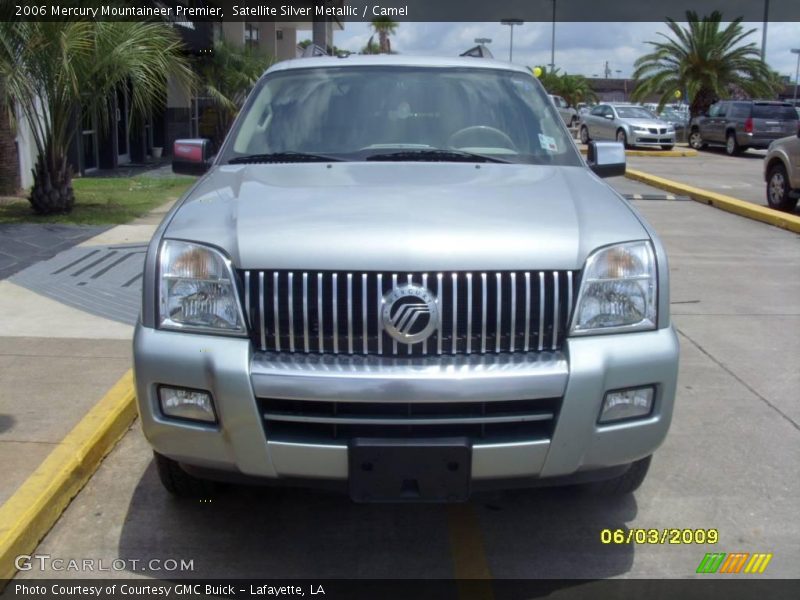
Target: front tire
778, 189
696, 140
624, 484
731, 145
622, 138
178, 482
585, 139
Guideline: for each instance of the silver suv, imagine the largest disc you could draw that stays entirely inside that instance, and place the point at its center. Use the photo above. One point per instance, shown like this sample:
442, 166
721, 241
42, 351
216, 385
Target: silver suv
399, 277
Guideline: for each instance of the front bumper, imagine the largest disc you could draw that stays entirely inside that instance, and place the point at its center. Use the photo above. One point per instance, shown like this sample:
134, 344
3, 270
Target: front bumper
579, 377
652, 139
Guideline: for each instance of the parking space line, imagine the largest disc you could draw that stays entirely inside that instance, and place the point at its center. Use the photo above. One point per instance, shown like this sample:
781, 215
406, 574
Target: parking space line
28, 515
468, 552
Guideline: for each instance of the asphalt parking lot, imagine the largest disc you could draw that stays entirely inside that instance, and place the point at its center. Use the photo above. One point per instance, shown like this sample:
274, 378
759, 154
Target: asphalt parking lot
729, 462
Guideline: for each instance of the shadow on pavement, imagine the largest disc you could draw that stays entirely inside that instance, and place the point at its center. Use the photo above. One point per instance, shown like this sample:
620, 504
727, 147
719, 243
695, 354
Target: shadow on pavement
6, 423
270, 532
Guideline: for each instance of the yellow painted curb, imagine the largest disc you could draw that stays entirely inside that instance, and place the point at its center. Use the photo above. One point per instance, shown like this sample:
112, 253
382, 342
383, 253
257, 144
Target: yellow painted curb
672, 153
727, 203
29, 514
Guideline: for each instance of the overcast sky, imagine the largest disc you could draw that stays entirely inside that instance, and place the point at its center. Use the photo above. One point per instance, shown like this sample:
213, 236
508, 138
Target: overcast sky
581, 48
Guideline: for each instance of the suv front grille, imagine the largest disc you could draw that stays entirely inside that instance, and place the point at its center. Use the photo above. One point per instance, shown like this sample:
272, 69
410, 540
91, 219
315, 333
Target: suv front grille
312, 421
326, 312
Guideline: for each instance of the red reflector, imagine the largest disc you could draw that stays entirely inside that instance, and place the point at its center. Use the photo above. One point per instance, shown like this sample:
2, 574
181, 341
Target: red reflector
748, 125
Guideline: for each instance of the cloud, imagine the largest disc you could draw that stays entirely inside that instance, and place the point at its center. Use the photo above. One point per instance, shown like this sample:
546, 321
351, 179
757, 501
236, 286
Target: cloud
581, 48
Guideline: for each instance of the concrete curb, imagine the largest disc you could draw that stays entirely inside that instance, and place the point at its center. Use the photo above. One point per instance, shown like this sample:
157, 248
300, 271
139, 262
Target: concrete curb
655, 153
726, 203
34, 508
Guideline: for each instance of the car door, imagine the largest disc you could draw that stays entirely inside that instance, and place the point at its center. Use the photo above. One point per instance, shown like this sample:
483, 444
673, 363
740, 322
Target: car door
609, 123
714, 130
596, 121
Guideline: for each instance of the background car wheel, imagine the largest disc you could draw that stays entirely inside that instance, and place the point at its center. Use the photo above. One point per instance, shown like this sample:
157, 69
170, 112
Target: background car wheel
731, 145
624, 484
585, 139
622, 138
667, 147
178, 482
778, 189
696, 140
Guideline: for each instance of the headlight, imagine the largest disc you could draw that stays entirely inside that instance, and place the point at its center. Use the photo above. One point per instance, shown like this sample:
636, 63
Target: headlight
197, 292
640, 130
618, 290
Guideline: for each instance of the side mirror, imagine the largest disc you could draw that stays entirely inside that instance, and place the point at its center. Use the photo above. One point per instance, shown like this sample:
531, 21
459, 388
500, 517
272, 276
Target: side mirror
191, 157
606, 159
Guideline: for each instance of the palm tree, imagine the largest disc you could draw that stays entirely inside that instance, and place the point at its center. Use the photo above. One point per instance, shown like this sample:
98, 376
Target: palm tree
573, 88
53, 71
384, 27
228, 74
705, 59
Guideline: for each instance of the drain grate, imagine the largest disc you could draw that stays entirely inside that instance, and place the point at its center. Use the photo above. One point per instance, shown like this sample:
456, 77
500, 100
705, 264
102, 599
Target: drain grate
102, 280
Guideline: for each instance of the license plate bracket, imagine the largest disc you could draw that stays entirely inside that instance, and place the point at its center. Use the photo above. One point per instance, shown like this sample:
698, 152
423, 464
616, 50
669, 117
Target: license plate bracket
402, 470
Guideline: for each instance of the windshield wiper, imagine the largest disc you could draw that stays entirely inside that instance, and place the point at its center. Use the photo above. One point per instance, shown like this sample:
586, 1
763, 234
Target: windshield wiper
435, 154
282, 157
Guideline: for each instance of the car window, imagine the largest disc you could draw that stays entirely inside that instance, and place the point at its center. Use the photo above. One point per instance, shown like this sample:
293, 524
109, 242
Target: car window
634, 112
353, 112
739, 110
774, 111
598, 110
714, 110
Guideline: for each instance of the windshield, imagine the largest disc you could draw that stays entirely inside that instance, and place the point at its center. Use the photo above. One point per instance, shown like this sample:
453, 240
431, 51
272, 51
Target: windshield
372, 112
634, 112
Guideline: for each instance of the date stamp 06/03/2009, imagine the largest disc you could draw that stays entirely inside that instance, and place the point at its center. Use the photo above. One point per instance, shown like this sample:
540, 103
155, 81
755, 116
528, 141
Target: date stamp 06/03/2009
659, 536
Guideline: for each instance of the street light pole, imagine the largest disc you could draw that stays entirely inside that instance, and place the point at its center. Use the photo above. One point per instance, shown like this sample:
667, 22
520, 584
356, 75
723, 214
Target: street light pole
764, 32
511, 23
796, 73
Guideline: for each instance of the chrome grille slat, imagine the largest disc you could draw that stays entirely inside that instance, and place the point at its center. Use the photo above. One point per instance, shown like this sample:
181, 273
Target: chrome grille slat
291, 312
247, 299
527, 311
555, 310
440, 304
262, 321
305, 312
483, 314
349, 313
513, 329
541, 311
454, 334
335, 297
320, 316
276, 308
469, 313
379, 305
499, 320
364, 333
425, 342
288, 312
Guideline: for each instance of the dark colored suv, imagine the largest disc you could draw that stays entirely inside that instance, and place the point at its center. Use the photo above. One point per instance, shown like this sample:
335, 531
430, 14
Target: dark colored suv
741, 124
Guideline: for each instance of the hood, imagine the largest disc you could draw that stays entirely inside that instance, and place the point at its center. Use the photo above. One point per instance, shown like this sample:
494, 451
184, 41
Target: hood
646, 122
404, 216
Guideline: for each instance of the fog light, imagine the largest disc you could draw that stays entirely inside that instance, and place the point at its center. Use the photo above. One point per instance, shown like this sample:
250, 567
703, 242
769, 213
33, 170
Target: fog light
627, 404
181, 403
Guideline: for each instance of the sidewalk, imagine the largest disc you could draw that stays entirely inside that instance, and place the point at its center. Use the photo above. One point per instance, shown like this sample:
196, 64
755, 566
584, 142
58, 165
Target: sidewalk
56, 361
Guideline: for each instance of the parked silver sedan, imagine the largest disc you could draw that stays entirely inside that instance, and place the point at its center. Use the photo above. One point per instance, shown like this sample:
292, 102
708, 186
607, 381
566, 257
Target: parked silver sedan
628, 124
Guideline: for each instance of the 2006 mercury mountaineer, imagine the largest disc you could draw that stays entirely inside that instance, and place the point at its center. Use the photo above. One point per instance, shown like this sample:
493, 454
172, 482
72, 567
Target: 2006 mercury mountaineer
398, 276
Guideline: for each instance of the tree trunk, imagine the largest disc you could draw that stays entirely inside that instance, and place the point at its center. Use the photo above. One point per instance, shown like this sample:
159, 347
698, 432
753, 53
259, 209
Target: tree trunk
702, 100
52, 188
